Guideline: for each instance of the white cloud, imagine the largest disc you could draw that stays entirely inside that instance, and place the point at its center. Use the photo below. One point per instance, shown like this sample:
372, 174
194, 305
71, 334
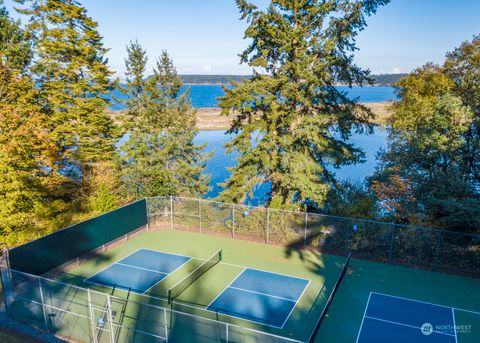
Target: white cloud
396, 70
207, 68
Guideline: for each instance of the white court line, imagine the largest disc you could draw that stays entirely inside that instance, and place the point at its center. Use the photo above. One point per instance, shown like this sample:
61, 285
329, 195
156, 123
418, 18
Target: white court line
260, 293
135, 267
264, 271
428, 303
294, 306
173, 271
103, 269
243, 271
125, 257
363, 319
241, 289
454, 325
409, 326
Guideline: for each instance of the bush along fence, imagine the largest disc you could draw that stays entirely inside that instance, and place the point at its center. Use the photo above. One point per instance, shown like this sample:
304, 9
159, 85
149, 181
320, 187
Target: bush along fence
418, 247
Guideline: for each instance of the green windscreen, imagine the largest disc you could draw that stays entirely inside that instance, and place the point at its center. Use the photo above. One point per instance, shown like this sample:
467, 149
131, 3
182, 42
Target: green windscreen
49, 252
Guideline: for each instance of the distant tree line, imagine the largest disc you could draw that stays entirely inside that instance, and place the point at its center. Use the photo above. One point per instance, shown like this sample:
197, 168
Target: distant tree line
378, 80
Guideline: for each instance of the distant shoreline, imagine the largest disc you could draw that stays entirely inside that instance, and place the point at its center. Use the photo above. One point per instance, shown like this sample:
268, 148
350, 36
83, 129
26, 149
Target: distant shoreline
209, 119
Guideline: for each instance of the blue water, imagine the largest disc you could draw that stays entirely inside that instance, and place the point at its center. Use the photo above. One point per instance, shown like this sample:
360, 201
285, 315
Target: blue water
205, 96
220, 161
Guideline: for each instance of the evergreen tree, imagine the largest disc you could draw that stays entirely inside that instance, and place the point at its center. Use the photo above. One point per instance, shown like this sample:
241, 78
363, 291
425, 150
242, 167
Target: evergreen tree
291, 124
30, 185
159, 158
72, 70
15, 43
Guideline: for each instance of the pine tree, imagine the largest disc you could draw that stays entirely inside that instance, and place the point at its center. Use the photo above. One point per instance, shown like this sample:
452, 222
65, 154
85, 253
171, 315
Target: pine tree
30, 185
291, 123
15, 43
159, 158
71, 68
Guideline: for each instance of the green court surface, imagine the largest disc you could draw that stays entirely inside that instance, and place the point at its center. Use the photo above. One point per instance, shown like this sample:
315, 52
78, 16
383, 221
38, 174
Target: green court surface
342, 323
321, 270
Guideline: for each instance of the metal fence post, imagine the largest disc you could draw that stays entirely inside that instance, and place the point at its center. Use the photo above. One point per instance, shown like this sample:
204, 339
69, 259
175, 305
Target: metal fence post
233, 220
166, 325
267, 234
392, 238
171, 212
305, 233
110, 319
437, 250
200, 215
92, 316
42, 299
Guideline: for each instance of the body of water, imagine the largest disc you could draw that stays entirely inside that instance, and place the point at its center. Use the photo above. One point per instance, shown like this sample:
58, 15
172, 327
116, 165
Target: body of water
205, 96
220, 161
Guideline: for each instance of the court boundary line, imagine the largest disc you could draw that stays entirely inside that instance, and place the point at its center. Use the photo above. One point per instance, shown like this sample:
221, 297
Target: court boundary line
260, 293
428, 303
172, 272
140, 268
408, 325
264, 271
454, 325
218, 296
363, 318
296, 303
87, 280
253, 321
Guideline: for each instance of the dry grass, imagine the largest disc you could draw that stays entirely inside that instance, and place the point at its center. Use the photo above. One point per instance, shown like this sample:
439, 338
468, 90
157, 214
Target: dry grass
210, 119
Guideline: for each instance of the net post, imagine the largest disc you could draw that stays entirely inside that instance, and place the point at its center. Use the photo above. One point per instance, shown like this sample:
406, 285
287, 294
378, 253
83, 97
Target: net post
92, 316
171, 212
42, 299
226, 332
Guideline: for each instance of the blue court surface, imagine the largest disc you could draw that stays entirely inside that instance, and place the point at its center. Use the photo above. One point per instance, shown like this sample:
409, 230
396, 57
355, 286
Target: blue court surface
139, 271
261, 297
393, 319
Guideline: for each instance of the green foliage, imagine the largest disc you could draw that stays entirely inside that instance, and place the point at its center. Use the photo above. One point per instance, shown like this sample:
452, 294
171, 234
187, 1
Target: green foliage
427, 175
15, 43
71, 67
28, 163
351, 200
290, 122
159, 157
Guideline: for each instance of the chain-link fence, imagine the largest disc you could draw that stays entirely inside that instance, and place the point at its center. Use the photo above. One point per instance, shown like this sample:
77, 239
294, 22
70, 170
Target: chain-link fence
418, 247
84, 315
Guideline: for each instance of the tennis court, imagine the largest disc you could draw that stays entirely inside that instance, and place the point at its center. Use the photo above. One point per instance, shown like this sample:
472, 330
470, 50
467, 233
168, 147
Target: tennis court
139, 271
184, 278
388, 318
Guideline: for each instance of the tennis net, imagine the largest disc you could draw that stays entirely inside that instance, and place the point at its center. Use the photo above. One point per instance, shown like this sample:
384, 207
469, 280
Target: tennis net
183, 284
346, 265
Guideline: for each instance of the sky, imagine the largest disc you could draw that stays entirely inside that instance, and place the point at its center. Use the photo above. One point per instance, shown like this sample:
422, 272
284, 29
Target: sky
206, 36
